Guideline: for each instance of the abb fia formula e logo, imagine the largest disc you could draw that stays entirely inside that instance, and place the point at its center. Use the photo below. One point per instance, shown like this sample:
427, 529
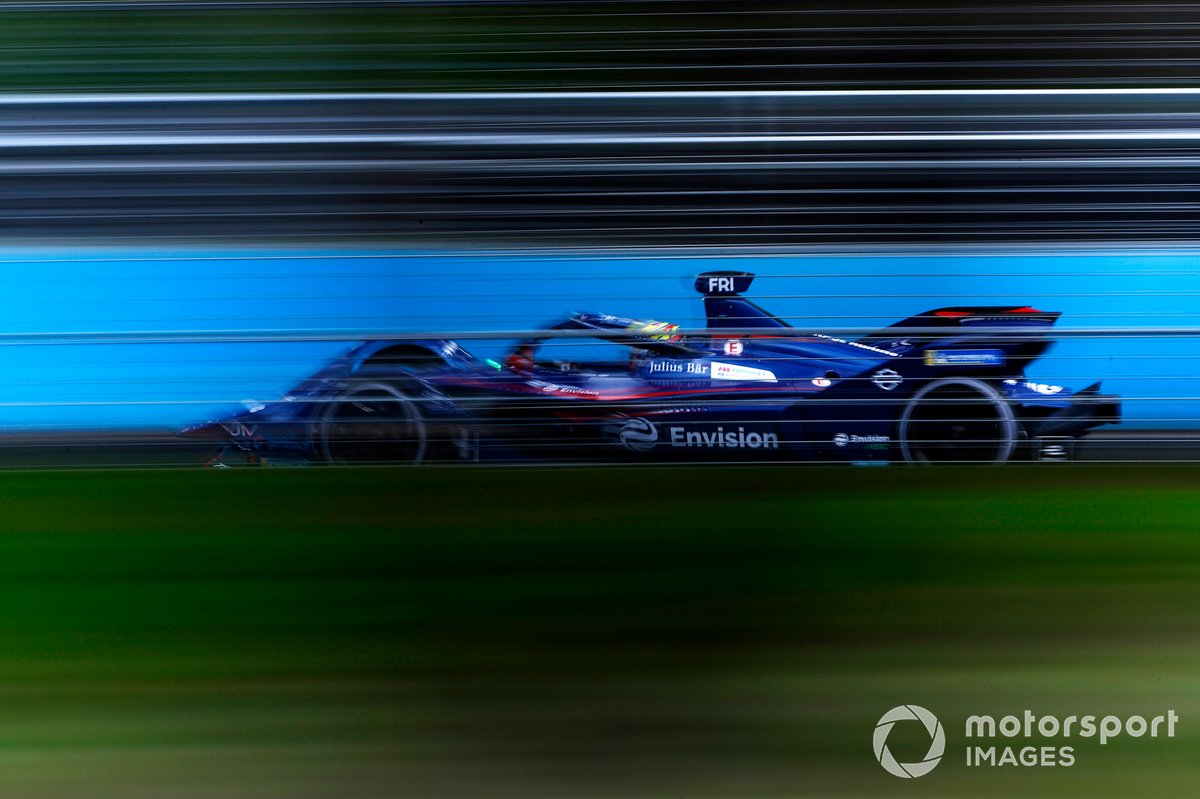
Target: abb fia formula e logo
937, 741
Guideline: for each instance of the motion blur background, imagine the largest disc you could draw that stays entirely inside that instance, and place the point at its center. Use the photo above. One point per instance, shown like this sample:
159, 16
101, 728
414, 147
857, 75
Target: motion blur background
178, 178
372, 168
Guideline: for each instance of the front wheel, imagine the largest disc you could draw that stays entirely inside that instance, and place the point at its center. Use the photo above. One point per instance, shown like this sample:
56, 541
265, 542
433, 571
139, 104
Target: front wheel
371, 423
957, 420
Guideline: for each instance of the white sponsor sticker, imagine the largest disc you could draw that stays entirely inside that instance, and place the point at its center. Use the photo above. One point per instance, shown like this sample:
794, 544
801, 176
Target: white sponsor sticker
845, 439
692, 368
731, 371
867, 347
554, 388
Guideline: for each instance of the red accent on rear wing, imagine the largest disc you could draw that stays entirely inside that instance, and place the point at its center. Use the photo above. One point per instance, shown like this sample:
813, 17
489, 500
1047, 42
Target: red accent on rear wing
968, 316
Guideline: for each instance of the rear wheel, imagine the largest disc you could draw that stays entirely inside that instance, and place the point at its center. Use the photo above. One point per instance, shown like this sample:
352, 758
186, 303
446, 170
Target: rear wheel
957, 420
372, 423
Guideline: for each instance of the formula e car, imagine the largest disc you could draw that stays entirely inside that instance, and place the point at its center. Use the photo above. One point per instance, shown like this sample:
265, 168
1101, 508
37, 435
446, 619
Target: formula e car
947, 385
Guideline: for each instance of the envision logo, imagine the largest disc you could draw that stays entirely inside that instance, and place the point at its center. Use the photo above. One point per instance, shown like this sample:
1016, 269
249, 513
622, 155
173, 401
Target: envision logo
937, 746
722, 438
843, 439
638, 435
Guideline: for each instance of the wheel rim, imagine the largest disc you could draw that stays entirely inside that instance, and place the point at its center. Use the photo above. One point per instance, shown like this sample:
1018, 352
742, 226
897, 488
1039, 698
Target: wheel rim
957, 422
373, 425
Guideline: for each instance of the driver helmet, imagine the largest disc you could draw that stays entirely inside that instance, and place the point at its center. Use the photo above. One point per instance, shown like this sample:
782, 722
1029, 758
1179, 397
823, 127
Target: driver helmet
521, 359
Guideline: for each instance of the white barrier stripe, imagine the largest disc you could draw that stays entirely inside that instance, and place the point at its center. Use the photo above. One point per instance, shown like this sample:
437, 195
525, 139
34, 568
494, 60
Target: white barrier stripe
76, 98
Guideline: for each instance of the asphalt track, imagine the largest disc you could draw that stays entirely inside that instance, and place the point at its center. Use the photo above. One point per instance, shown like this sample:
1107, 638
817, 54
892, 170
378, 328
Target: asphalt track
575, 632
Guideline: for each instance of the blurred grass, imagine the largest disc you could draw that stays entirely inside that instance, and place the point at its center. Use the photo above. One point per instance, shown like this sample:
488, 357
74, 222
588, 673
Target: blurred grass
352, 47
215, 49
584, 632
163, 47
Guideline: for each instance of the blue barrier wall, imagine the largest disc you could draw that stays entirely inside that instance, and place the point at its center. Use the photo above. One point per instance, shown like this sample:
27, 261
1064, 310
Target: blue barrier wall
132, 384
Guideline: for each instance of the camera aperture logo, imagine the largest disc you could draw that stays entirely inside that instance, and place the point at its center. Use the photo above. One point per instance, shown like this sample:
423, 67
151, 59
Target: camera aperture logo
1029, 726
937, 743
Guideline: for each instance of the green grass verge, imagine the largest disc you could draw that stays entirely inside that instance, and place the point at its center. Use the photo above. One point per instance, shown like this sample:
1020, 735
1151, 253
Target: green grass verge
368, 48
454, 46
585, 632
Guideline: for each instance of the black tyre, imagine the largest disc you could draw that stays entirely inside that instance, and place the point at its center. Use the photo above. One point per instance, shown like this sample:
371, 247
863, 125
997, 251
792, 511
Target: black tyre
372, 423
957, 420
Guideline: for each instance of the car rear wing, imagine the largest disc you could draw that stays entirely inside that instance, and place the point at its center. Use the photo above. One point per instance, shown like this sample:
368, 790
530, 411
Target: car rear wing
725, 308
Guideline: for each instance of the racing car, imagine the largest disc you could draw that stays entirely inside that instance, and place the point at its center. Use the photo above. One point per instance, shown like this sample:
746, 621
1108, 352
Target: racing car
947, 385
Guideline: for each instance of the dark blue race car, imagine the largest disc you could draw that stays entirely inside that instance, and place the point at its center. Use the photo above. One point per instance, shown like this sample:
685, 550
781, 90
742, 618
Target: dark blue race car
948, 385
